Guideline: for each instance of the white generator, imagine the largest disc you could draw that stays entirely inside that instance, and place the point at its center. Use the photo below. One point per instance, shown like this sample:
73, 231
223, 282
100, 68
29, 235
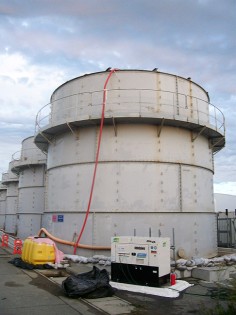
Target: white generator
140, 260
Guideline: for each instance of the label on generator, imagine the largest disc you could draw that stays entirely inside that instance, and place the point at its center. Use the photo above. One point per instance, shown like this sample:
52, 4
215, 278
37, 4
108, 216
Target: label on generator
141, 255
140, 247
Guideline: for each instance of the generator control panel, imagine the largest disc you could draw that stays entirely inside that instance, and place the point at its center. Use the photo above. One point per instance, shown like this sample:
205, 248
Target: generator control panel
146, 251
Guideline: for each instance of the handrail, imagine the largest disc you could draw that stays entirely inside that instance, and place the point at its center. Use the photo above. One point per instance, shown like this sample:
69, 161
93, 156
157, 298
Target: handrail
9, 177
16, 156
2, 186
213, 114
31, 157
38, 119
65, 242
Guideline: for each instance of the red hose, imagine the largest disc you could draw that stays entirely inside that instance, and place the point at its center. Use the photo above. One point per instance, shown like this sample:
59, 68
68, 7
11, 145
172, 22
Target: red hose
96, 160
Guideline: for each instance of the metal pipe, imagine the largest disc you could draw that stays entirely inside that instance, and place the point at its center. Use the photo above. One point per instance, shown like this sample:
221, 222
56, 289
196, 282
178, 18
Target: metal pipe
150, 232
173, 235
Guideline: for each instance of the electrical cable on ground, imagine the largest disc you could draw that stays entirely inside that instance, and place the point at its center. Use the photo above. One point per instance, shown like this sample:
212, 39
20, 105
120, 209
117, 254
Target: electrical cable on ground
97, 157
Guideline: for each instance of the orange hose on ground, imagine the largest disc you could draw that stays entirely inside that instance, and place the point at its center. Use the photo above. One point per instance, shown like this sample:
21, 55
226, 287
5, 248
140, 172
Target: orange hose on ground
64, 242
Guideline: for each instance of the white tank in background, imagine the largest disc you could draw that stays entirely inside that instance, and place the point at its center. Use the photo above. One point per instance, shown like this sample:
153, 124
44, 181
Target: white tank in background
30, 164
155, 170
225, 201
11, 180
3, 196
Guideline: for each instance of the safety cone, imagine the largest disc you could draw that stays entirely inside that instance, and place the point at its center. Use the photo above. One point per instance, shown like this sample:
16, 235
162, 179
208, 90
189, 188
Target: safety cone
17, 247
5, 239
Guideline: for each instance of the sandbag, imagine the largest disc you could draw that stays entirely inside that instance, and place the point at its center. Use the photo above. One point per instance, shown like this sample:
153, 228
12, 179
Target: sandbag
91, 285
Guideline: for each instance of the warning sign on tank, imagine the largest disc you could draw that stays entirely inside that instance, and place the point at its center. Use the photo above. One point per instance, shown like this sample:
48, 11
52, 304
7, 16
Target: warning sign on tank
58, 218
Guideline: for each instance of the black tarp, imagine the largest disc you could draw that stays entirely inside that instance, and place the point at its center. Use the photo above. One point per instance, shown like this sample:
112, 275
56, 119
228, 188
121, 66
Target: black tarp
91, 285
18, 262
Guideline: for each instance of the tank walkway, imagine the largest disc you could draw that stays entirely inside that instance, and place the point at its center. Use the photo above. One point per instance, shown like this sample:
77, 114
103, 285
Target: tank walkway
26, 292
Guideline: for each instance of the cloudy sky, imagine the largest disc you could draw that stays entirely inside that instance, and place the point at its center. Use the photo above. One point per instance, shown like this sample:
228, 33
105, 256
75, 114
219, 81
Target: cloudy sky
44, 43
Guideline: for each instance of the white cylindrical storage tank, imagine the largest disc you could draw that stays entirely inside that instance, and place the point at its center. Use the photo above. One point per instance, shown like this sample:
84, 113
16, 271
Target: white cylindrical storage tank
3, 196
30, 165
11, 181
155, 170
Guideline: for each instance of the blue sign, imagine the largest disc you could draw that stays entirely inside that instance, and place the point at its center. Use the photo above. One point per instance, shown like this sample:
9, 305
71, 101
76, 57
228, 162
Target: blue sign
60, 218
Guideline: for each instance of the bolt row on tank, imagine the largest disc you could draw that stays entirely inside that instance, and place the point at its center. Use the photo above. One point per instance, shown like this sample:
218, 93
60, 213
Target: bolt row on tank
155, 167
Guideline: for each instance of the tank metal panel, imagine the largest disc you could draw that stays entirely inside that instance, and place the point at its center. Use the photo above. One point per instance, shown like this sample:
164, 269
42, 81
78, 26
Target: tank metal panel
73, 185
2, 206
2, 221
10, 223
32, 176
133, 187
2, 187
11, 205
3, 196
176, 146
162, 96
143, 186
9, 177
132, 143
31, 170
31, 200
30, 154
189, 229
2, 213
197, 189
76, 148
12, 189
141, 164
130, 94
28, 225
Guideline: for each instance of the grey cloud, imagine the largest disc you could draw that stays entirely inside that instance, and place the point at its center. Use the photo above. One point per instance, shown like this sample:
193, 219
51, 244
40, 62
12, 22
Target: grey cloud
7, 79
145, 18
23, 80
191, 32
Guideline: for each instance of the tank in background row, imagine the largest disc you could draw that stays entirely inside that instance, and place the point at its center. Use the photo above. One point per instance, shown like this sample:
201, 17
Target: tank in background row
30, 164
3, 196
11, 180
